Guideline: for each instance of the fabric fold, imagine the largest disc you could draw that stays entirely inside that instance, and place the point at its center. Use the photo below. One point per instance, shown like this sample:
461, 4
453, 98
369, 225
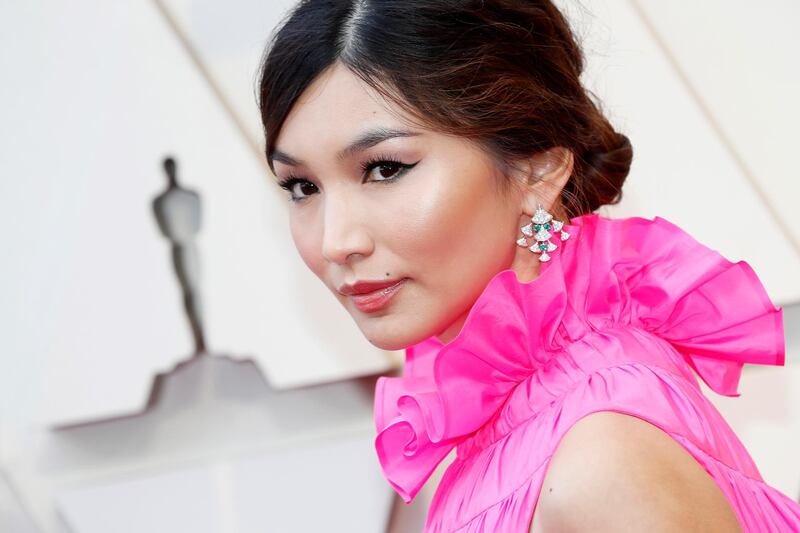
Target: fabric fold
715, 312
647, 273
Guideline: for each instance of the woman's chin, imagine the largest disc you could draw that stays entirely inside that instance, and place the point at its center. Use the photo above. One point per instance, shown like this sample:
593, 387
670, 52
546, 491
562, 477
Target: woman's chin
388, 343
388, 336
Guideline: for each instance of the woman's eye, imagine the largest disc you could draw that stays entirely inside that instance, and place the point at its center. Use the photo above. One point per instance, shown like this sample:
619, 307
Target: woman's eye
295, 185
388, 169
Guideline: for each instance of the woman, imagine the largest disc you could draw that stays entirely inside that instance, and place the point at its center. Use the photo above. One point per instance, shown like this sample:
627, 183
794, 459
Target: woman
443, 164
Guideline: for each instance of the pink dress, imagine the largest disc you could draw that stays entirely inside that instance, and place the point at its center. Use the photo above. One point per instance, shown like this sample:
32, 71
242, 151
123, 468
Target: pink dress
622, 318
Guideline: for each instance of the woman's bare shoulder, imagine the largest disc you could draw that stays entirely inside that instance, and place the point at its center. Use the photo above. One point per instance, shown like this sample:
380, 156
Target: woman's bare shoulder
617, 472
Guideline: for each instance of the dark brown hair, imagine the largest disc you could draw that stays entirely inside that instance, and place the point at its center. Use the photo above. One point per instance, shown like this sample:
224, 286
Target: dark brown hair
502, 73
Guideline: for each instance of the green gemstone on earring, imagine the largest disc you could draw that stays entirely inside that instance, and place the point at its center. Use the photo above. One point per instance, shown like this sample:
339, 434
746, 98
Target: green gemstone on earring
542, 246
538, 227
547, 226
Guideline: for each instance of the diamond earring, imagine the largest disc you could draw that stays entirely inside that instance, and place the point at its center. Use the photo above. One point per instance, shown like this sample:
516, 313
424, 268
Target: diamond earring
541, 228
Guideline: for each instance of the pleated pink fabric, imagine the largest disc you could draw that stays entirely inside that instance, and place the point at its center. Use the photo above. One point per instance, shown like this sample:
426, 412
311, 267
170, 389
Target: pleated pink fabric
624, 317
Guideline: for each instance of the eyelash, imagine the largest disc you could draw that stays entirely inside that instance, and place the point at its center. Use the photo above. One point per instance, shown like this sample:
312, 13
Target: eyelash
367, 166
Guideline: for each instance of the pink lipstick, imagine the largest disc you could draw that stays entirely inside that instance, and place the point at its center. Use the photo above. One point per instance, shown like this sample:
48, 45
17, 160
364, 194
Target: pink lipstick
377, 299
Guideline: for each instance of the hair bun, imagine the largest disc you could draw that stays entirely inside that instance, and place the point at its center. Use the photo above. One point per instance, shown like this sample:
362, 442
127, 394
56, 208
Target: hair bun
603, 172
615, 160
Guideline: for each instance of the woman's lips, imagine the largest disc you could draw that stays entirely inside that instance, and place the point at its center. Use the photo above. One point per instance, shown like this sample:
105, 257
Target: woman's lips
372, 301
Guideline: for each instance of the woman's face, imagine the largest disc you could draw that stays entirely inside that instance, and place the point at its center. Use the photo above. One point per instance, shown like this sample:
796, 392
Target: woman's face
418, 206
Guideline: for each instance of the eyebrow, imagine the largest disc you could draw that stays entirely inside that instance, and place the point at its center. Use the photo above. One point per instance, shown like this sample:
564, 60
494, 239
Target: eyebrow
364, 141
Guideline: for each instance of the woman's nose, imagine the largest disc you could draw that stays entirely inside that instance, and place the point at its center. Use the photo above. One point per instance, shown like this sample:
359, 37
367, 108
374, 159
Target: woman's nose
344, 231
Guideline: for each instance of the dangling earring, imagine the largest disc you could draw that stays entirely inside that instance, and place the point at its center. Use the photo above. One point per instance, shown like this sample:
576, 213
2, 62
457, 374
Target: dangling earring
541, 229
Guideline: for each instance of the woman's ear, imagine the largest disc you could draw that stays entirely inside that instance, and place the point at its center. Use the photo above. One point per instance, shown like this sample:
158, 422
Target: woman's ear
543, 176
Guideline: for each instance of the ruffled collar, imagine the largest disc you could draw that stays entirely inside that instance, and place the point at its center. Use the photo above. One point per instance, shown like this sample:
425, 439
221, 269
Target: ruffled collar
645, 272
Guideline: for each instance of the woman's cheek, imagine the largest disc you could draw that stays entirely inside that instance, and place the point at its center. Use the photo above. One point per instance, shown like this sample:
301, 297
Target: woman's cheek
307, 241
